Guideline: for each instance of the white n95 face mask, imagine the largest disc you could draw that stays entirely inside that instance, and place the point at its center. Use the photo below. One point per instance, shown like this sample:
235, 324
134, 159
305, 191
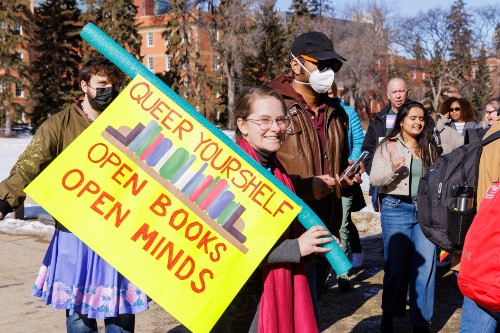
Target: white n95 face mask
320, 82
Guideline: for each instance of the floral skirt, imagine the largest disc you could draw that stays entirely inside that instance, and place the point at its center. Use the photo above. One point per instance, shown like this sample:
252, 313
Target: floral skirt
75, 278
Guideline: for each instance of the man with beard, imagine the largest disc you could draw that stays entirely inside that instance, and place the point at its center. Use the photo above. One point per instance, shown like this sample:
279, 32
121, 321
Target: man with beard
316, 141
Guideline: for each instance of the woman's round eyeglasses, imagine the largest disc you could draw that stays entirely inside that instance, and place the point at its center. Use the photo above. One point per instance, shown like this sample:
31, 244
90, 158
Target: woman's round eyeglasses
266, 123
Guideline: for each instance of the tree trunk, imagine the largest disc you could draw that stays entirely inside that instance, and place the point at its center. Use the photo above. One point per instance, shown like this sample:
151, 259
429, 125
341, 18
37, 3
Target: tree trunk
230, 102
8, 123
352, 101
231, 91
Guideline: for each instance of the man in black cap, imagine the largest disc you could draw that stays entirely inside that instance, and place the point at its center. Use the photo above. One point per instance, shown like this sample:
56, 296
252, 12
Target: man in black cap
316, 142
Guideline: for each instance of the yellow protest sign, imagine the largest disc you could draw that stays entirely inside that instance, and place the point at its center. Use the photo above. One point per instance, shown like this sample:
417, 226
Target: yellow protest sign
167, 203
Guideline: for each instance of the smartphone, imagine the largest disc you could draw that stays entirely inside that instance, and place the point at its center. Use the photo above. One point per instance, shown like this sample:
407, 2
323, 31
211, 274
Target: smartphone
354, 168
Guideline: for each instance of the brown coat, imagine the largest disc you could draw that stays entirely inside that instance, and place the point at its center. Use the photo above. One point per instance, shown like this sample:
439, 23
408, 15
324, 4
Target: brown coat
301, 153
53, 136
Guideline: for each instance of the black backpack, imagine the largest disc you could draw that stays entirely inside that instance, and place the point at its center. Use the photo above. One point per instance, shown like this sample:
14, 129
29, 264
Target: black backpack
451, 176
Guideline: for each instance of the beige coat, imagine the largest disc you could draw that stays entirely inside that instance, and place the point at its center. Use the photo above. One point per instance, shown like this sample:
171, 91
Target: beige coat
382, 175
450, 138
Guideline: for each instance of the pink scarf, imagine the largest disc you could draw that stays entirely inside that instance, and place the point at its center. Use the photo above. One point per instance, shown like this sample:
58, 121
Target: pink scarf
286, 303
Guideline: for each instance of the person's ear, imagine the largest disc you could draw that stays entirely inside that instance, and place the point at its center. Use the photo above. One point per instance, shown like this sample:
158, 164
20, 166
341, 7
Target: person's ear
242, 126
83, 86
294, 64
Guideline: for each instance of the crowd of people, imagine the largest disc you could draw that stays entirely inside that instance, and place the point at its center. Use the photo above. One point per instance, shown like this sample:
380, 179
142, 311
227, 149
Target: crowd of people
304, 135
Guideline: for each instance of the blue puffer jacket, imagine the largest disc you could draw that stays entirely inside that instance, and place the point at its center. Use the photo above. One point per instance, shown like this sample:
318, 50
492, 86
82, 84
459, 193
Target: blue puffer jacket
355, 133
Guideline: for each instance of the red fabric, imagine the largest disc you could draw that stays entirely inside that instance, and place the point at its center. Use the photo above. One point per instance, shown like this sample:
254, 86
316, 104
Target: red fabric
286, 304
479, 277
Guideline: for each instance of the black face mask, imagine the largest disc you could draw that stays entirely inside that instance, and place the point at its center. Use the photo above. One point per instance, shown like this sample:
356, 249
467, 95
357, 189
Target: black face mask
103, 98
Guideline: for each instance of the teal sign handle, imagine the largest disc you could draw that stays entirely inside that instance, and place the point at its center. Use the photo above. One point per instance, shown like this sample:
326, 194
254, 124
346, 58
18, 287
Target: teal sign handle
132, 67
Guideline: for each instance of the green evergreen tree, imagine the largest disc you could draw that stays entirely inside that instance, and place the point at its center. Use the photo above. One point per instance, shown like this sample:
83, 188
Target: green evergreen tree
436, 68
399, 69
179, 44
187, 75
117, 19
118, 22
89, 14
233, 37
318, 8
482, 90
458, 23
15, 29
271, 59
300, 20
58, 60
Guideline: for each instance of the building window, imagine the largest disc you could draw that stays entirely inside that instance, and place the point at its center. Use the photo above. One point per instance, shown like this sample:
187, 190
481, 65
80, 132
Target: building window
18, 30
19, 90
150, 38
161, 7
168, 63
215, 63
151, 63
423, 76
414, 74
19, 55
3, 87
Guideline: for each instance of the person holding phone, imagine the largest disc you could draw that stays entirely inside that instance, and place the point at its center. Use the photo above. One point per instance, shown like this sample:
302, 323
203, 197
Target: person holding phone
355, 201
316, 142
398, 164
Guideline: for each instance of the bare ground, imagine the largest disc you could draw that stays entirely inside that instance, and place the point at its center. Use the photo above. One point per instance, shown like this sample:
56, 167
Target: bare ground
357, 310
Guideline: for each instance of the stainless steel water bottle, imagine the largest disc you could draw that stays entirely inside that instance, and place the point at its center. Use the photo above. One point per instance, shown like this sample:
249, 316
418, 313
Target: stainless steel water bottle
465, 198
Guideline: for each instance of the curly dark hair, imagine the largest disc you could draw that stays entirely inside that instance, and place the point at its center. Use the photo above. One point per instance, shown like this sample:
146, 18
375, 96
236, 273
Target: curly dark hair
467, 112
102, 66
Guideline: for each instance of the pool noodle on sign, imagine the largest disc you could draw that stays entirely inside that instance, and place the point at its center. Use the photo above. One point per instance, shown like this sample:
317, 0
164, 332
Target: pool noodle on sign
132, 67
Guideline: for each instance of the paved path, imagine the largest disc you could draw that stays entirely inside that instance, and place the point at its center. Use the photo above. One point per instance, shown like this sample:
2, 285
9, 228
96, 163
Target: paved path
355, 311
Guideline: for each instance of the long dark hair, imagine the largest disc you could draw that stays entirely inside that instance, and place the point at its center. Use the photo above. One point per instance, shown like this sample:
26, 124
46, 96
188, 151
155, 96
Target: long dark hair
427, 147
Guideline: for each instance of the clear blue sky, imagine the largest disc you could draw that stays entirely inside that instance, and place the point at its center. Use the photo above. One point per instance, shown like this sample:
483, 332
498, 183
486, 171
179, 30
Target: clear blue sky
405, 7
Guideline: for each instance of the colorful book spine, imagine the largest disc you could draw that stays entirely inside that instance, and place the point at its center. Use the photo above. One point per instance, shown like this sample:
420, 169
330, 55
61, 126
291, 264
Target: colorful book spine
175, 164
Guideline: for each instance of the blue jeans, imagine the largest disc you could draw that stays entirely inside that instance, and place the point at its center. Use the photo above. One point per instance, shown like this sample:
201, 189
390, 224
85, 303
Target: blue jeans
476, 319
80, 323
409, 262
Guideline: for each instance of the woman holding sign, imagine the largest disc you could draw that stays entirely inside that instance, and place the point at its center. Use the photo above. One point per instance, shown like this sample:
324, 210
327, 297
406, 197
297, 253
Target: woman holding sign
73, 277
276, 298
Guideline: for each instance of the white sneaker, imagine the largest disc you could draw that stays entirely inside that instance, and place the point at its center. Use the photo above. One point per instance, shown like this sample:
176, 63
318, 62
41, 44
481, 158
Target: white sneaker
357, 260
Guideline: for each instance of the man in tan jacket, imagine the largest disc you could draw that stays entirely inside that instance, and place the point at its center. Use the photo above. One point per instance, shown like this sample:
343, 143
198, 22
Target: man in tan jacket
489, 164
